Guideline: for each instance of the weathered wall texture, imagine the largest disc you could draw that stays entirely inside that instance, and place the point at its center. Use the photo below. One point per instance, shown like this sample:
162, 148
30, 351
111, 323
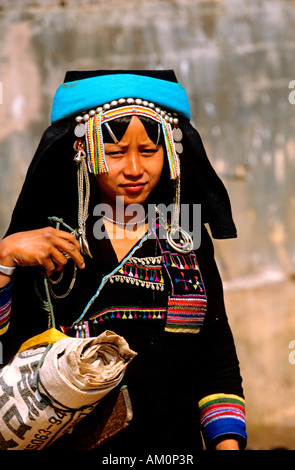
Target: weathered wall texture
236, 59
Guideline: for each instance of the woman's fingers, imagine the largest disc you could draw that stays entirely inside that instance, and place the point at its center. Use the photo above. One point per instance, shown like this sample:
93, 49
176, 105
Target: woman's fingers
62, 246
59, 259
49, 266
70, 237
47, 247
71, 249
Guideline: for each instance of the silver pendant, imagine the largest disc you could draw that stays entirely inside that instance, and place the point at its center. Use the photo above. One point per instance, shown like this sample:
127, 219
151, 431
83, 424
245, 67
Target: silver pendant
178, 147
80, 130
83, 242
84, 246
186, 243
177, 134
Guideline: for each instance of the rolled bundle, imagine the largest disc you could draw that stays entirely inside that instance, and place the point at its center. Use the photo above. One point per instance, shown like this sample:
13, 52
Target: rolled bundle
79, 372
50, 386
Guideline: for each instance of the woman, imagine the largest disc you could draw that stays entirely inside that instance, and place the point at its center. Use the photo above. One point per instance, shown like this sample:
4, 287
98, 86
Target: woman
115, 260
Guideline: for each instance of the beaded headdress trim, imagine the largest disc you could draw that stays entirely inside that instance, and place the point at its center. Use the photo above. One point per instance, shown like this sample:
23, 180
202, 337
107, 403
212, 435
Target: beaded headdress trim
90, 125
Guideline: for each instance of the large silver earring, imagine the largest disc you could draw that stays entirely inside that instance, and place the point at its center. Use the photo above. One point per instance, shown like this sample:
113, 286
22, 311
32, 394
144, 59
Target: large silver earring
83, 196
185, 244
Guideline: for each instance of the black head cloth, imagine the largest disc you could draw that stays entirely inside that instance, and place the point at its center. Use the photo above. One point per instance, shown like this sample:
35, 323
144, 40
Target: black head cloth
50, 186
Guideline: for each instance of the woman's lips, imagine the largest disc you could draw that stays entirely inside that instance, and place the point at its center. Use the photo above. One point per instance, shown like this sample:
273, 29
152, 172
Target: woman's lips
133, 187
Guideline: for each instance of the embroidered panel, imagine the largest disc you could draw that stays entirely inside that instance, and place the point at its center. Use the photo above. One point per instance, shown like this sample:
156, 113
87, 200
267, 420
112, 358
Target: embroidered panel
127, 313
187, 304
185, 274
173, 289
142, 272
82, 329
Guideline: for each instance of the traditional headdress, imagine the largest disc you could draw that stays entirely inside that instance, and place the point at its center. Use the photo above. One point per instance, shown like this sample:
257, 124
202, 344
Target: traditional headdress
101, 99
111, 96
85, 100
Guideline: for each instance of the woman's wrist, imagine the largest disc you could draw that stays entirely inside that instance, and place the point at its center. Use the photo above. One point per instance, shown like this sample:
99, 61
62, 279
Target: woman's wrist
6, 255
4, 280
7, 264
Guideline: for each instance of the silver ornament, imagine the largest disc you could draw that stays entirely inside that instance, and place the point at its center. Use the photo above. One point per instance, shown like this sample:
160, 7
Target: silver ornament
178, 147
80, 130
177, 134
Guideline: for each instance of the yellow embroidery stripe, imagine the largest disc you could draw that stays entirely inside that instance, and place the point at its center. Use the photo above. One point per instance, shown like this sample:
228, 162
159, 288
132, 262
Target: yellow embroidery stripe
218, 396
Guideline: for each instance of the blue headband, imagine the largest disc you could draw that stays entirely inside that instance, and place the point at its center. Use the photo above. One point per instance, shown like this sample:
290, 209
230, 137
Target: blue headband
73, 97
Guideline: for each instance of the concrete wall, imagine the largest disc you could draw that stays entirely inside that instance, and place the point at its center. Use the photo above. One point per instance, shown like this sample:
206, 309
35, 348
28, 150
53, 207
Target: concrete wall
235, 59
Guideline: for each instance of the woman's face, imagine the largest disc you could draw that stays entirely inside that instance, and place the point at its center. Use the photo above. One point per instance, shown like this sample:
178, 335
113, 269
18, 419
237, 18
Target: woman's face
135, 165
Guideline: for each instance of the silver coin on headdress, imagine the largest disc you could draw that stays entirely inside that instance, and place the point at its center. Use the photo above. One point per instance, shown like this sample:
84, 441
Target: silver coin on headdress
178, 147
80, 130
177, 134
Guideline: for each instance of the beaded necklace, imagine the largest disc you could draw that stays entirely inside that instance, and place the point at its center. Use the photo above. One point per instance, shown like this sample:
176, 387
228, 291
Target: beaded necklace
117, 222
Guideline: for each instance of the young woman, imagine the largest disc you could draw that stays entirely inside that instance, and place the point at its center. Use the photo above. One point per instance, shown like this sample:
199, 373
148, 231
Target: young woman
115, 259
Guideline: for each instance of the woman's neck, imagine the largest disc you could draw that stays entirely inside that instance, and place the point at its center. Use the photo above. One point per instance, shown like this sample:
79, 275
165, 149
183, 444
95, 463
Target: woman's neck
124, 237
125, 215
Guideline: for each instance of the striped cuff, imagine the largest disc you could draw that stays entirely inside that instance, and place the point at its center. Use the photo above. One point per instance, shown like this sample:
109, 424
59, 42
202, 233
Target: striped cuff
5, 307
222, 414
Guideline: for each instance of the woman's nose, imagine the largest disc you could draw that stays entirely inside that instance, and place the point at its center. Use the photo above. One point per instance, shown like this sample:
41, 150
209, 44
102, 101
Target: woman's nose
133, 166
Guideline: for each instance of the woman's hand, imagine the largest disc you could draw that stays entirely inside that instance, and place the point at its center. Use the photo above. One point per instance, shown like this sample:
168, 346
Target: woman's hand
47, 247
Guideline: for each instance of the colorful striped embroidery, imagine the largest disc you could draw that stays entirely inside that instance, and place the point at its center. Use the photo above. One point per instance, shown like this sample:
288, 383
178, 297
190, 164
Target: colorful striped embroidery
94, 145
185, 315
222, 414
5, 308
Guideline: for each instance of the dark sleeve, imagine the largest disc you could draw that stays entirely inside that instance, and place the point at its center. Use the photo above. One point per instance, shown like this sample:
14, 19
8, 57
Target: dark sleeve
221, 399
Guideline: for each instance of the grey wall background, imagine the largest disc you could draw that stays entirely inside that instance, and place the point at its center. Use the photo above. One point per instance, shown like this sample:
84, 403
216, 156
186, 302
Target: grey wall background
235, 58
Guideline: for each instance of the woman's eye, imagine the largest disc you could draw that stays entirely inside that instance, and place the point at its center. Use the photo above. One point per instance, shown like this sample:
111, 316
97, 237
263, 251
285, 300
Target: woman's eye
148, 151
117, 153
